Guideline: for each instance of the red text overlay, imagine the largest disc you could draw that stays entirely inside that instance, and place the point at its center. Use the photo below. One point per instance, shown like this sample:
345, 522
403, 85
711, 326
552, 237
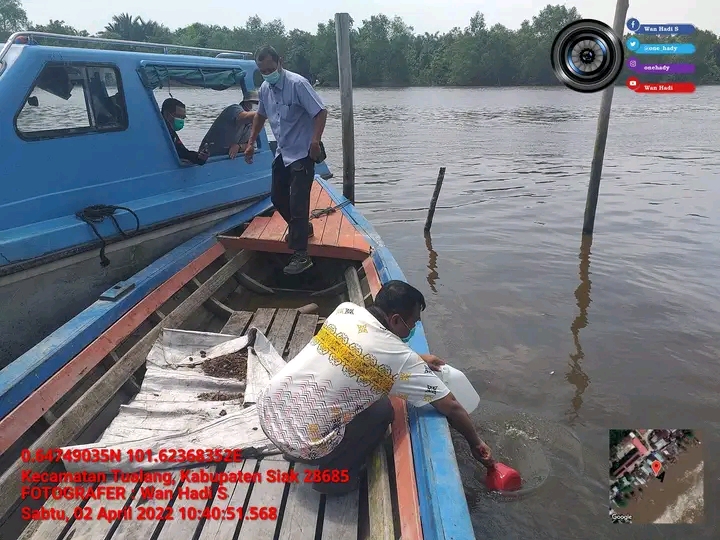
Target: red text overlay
159, 489
105, 455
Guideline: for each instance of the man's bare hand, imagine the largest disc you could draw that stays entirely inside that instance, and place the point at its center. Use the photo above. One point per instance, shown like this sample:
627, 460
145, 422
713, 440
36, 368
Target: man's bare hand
433, 361
249, 153
234, 149
483, 454
315, 150
203, 154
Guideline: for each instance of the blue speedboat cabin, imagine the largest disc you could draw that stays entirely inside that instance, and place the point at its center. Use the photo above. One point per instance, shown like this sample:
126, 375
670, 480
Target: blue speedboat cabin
81, 127
93, 187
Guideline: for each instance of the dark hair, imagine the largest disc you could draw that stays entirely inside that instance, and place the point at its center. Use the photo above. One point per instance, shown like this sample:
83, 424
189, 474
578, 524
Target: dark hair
399, 297
265, 51
171, 105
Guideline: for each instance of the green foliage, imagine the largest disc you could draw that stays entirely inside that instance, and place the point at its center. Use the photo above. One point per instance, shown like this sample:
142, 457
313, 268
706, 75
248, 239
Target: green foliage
386, 51
12, 17
616, 437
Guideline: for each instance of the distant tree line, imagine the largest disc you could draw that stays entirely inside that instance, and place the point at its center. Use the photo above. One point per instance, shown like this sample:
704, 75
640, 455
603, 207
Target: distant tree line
386, 51
616, 437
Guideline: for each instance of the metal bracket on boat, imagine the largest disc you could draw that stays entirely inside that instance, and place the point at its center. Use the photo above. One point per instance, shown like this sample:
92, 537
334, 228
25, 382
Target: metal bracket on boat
118, 291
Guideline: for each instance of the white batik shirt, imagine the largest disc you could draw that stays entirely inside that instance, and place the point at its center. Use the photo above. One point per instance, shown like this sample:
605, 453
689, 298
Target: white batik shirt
351, 363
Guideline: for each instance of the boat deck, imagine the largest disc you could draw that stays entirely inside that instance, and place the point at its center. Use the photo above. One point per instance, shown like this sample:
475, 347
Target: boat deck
300, 511
335, 236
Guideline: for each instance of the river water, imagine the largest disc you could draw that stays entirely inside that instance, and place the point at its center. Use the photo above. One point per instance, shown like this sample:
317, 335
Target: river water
568, 337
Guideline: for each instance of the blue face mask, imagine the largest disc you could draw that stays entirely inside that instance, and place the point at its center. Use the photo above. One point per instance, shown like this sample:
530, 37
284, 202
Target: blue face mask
273, 77
411, 330
409, 336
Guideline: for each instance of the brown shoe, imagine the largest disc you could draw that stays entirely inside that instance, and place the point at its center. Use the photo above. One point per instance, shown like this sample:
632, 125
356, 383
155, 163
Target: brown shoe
311, 233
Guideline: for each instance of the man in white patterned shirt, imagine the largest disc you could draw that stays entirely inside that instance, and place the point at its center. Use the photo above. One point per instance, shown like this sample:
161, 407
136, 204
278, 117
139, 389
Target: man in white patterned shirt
329, 406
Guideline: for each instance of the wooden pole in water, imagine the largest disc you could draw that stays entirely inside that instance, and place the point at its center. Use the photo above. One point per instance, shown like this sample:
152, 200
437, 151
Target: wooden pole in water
621, 10
342, 35
434, 200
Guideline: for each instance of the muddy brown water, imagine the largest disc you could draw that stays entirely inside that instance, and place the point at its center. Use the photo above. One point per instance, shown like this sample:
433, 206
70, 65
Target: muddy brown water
630, 325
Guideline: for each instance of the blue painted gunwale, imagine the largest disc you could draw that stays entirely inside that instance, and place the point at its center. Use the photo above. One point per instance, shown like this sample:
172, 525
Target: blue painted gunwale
444, 512
38, 204
28, 372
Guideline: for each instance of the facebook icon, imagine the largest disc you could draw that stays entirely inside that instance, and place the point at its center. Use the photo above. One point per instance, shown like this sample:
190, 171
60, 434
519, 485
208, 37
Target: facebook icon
633, 25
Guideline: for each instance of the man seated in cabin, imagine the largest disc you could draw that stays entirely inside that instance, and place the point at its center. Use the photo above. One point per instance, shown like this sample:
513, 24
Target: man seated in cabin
329, 405
230, 131
173, 112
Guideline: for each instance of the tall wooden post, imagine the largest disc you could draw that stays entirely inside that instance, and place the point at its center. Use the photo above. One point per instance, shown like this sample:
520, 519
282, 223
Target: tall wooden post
621, 10
342, 34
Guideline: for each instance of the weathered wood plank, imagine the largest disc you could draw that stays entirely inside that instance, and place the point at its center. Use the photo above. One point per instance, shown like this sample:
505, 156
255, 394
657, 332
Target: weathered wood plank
315, 192
70, 424
353, 284
276, 229
224, 529
341, 517
256, 227
347, 232
266, 495
323, 201
98, 513
315, 249
282, 328
131, 387
360, 242
237, 323
371, 275
332, 228
183, 525
303, 333
142, 525
405, 483
262, 319
215, 306
301, 509
47, 529
379, 496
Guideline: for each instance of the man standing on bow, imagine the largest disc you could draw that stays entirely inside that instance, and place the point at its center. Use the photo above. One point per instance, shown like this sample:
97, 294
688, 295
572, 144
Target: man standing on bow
297, 118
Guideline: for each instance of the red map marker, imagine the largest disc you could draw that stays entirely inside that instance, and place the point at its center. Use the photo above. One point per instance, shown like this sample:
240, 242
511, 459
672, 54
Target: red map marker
656, 466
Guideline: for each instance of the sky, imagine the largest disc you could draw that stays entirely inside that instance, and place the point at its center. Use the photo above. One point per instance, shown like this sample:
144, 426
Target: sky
423, 15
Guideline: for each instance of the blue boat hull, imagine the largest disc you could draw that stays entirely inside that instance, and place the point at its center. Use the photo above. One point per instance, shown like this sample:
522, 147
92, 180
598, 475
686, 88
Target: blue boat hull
47, 296
443, 509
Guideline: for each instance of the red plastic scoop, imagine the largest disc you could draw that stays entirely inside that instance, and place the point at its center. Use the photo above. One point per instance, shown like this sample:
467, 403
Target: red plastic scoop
500, 477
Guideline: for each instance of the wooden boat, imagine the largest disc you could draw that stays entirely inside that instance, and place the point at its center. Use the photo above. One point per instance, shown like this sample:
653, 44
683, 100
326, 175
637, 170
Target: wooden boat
48, 256
70, 386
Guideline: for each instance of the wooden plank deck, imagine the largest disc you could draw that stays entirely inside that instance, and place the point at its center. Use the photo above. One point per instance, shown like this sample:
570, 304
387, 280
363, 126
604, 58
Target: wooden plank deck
284, 511
334, 235
290, 511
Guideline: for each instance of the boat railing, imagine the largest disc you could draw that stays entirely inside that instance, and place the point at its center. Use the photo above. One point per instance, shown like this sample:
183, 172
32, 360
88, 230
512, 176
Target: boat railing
166, 48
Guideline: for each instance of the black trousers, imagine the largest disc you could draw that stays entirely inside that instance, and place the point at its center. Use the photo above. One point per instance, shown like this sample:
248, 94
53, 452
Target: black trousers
363, 435
290, 194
